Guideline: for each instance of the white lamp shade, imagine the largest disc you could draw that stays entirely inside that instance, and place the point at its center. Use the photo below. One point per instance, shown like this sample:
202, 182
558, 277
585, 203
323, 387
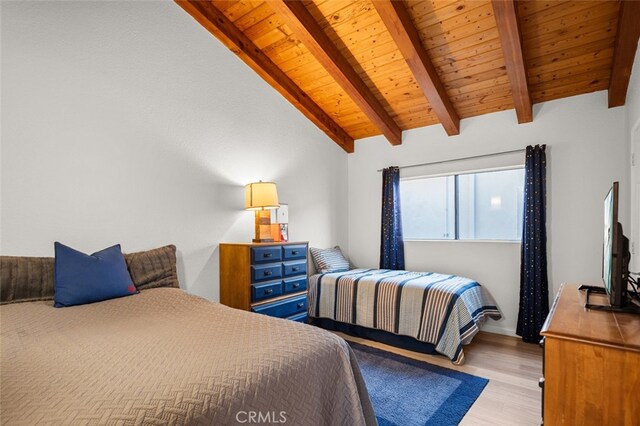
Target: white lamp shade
261, 196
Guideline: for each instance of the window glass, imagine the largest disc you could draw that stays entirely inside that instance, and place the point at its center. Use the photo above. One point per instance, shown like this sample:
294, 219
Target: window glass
490, 205
474, 206
428, 208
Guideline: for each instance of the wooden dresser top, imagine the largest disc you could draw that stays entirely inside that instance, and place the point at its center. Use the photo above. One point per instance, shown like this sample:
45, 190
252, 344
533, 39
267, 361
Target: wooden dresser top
272, 243
570, 320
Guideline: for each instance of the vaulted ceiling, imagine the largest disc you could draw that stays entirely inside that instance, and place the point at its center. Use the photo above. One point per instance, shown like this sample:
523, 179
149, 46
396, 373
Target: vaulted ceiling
363, 68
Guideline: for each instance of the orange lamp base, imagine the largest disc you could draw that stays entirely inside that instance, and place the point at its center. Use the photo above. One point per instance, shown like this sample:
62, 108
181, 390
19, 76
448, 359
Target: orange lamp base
263, 227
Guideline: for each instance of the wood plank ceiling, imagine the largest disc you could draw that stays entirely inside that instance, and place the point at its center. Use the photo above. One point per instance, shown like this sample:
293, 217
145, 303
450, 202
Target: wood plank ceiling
364, 68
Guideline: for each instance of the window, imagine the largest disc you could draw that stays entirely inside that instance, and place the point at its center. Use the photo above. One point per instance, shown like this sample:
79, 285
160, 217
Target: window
471, 206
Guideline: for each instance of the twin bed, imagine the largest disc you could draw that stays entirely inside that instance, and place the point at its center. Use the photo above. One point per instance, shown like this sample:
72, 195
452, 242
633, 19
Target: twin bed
426, 312
166, 357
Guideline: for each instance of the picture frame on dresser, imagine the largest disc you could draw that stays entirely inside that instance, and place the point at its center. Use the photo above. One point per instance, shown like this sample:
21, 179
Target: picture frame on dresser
265, 278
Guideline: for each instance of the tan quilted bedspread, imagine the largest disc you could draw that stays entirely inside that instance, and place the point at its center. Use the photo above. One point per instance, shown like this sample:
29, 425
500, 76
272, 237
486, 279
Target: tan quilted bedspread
165, 357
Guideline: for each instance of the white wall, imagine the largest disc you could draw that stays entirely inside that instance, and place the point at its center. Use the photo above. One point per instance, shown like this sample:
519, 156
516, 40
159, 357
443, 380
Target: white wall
632, 106
586, 152
127, 122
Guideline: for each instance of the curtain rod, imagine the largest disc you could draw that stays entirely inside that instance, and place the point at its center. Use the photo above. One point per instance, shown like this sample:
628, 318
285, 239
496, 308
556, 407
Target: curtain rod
460, 159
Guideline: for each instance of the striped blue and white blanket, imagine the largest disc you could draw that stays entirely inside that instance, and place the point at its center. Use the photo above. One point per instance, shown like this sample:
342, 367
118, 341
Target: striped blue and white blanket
444, 310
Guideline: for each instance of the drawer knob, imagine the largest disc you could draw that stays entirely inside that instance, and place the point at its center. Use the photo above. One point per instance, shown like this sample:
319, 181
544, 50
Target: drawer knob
295, 268
267, 273
268, 291
294, 252
267, 254
296, 285
301, 304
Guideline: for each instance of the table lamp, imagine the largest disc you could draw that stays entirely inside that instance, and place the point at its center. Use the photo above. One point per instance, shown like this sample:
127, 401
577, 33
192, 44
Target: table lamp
261, 197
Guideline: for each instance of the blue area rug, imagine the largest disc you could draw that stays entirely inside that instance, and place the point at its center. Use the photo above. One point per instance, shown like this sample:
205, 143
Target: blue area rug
407, 392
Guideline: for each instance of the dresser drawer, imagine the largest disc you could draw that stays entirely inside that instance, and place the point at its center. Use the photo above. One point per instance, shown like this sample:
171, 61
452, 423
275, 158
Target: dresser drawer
293, 285
294, 268
295, 252
265, 291
266, 254
266, 272
299, 318
283, 308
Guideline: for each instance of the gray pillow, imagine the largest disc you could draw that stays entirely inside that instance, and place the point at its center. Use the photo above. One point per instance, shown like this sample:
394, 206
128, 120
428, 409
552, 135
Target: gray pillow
329, 260
153, 268
28, 279
25, 279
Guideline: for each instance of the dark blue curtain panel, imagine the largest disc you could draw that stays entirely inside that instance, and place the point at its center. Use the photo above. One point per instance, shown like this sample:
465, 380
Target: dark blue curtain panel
391, 242
534, 285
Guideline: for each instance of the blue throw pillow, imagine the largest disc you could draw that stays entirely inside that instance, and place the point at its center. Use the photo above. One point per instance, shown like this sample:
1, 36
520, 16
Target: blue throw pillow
81, 278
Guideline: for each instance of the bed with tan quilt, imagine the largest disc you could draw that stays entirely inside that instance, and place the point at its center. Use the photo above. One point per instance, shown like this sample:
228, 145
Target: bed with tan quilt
165, 357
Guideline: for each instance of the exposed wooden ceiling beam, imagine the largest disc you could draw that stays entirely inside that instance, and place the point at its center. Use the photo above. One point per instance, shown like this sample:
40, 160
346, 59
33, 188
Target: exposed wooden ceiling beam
220, 26
305, 27
625, 51
506, 15
399, 24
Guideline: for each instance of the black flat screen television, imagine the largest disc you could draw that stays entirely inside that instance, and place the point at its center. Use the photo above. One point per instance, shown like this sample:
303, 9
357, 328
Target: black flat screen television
615, 256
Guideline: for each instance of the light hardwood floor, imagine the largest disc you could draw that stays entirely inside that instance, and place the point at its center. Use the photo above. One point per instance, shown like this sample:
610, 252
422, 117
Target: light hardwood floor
513, 368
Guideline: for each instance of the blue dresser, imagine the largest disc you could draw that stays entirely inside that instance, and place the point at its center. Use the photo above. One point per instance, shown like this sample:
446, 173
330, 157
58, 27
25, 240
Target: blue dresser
267, 278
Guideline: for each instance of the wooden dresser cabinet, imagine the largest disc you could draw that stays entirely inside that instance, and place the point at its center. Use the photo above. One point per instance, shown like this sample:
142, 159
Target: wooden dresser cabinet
267, 278
591, 363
